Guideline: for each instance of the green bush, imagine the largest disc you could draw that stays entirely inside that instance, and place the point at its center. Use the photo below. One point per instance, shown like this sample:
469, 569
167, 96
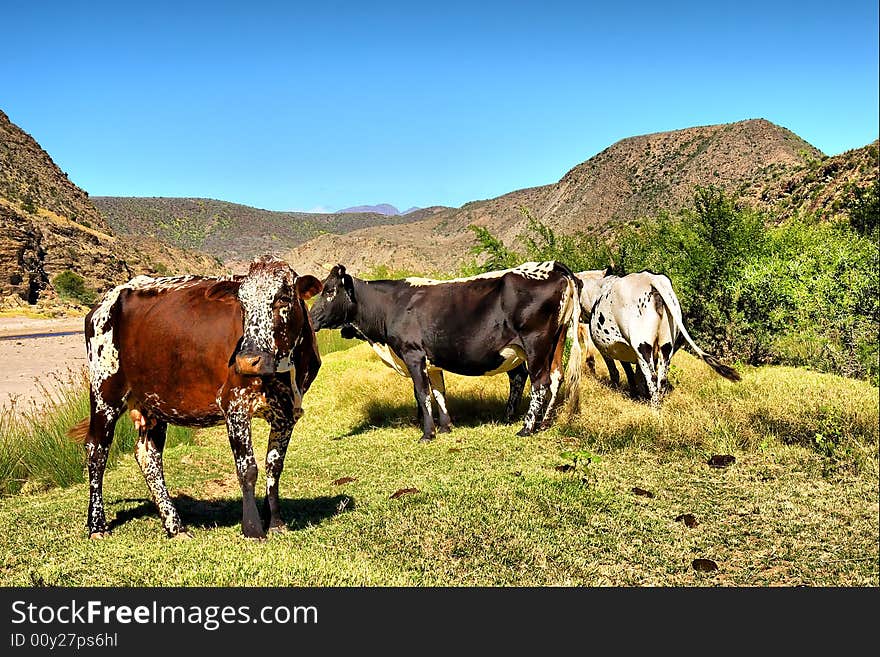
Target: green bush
70, 285
804, 293
812, 298
863, 207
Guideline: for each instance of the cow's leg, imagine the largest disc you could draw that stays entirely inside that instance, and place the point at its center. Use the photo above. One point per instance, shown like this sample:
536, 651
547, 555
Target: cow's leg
148, 454
613, 374
238, 425
663, 367
416, 364
279, 438
633, 379
438, 389
646, 365
539, 352
556, 377
102, 424
589, 349
284, 409
517, 376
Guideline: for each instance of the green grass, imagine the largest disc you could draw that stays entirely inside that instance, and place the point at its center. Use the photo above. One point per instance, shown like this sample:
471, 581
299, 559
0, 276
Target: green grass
493, 509
331, 340
35, 452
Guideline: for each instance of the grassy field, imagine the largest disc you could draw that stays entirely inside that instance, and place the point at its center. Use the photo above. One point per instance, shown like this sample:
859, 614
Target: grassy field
599, 501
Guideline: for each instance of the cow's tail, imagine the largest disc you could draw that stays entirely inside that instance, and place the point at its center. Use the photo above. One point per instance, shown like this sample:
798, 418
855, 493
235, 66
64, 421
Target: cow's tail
673, 312
79, 431
573, 371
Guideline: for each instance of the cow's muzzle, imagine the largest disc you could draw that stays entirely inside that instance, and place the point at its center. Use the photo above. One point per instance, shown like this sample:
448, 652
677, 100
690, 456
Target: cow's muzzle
255, 363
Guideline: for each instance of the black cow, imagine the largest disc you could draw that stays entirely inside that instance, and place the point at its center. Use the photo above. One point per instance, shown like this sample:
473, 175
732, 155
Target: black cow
476, 326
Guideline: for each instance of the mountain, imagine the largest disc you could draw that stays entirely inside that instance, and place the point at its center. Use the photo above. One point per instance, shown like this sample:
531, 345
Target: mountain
231, 232
634, 178
382, 208
49, 225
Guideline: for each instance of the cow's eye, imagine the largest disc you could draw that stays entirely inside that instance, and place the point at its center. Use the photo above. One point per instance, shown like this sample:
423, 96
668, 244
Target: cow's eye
283, 300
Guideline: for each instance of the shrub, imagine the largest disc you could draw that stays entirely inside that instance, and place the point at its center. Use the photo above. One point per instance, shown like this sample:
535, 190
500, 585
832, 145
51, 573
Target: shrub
804, 293
863, 208
70, 285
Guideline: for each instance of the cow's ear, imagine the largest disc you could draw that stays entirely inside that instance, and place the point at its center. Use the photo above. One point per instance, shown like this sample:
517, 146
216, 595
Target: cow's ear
348, 284
308, 286
339, 270
222, 290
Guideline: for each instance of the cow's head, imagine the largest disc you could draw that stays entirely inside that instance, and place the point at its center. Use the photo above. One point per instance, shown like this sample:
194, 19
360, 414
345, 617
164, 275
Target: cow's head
273, 315
336, 306
592, 288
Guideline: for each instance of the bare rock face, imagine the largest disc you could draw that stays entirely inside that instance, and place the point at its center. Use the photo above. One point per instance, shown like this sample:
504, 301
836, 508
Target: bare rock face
21, 258
35, 248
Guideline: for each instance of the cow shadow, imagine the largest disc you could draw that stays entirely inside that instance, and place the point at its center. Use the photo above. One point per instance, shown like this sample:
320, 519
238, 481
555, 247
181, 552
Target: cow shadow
226, 512
465, 412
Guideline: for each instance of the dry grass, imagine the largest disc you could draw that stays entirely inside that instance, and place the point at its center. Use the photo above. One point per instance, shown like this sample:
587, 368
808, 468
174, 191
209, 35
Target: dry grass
493, 509
705, 413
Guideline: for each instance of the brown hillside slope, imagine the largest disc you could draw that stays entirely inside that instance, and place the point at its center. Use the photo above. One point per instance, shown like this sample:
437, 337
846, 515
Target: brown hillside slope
29, 177
232, 232
49, 225
635, 177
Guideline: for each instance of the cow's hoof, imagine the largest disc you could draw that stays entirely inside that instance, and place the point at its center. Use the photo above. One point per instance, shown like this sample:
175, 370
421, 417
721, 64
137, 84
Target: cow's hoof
254, 532
182, 535
446, 429
97, 535
522, 433
279, 528
426, 439
258, 538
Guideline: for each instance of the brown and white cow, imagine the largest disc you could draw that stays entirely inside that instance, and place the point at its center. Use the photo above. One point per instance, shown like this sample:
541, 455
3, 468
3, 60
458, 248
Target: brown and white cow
482, 325
637, 319
196, 351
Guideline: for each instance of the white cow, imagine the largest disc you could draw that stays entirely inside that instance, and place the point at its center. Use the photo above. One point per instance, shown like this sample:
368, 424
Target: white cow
637, 319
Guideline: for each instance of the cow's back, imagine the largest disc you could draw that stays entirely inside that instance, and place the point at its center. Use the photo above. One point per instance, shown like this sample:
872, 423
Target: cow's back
629, 312
174, 346
464, 324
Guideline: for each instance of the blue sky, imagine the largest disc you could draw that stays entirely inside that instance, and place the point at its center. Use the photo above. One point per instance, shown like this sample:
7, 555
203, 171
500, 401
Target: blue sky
300, 106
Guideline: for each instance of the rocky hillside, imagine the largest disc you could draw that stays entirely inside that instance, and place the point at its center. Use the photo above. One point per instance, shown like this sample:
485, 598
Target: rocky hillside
822, 185
635, 177
231, 232
49, 225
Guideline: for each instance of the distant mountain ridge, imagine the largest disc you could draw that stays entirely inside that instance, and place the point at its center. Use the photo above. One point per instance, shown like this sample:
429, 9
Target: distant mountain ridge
49, 225
232, 232
382, 208
758, 161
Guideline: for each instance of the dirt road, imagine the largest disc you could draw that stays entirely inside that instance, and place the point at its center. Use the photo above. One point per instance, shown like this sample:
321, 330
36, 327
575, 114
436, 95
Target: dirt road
36, 351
